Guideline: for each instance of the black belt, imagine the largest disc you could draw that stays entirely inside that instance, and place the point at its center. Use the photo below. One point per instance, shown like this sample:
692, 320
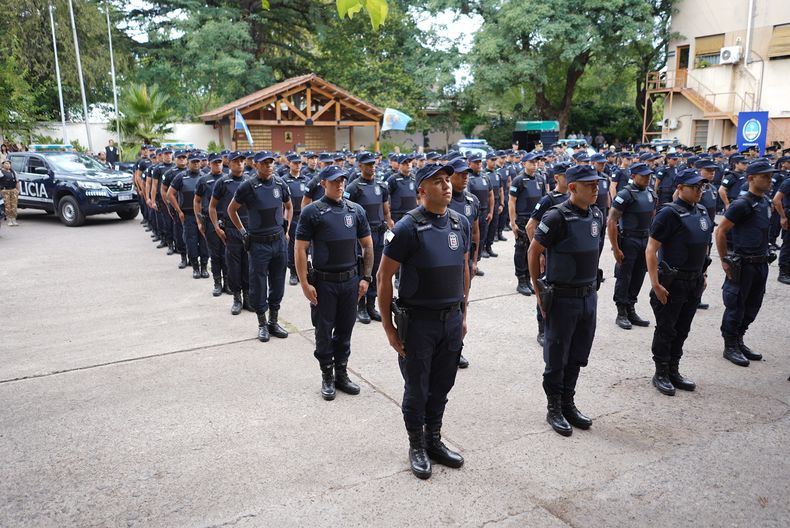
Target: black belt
428, 314
339, 276
641, 233
574, 291
687, 275
379, 228
756, 259
266, 238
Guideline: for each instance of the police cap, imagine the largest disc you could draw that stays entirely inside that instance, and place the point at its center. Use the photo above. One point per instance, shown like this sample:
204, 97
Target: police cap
641, 169
706, 164
760, 167
263, 156
332, 173
432, 170
688, 177
597, 158
366, 157
214, 157
474, 156
235, 155
581, 156
294, 158
459, 165
582, 173
432, 156
529, 156
404, 158
562, 167
326, 157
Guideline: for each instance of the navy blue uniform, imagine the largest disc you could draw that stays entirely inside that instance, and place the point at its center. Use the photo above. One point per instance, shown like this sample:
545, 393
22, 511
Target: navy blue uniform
637, 206
708, 201
528, 191
432, 252
178, 228
164, 221
334, 229
268, 253
504, 181
685, 232
784, 253
570, 236
542, 207
403, 195
742, 299
297, 187
235, 255
467, 204
493, 226
185, 183
666, 187
313, 189
372, 196
216, 248
480, 186
733, 183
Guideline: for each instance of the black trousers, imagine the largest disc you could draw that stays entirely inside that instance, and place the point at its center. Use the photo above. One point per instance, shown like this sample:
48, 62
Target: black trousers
429, 368
267, 274
630, 274
569, 334
673, 319
292, 242
378, 250
522, 246
216, 251
195, 244
743, 299
236, 260
334, 319
483, 223
493, 226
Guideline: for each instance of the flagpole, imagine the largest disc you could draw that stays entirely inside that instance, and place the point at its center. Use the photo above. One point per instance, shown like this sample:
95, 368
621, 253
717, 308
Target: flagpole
79, 71
57, 74
112, 72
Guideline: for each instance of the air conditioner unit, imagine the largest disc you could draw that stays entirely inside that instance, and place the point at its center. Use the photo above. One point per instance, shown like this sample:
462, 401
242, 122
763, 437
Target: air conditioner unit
669, 123
730, 55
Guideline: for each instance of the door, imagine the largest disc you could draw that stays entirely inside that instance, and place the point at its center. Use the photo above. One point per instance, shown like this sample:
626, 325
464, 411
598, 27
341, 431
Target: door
682, 66
35, 183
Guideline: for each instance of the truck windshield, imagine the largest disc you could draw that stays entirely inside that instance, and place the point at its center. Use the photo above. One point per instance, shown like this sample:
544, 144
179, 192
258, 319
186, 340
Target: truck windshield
73, 162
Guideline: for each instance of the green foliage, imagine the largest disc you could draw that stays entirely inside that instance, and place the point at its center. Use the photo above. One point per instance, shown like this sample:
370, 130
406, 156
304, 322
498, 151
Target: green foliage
499, 133
376, 9
43, 139
18, 110
387, 145
213, 146
146, 116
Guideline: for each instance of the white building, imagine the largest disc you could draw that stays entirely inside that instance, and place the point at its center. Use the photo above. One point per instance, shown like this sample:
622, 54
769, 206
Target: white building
725, 61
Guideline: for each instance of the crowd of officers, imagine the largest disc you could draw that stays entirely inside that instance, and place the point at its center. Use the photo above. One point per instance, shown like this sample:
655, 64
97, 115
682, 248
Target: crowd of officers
346, 226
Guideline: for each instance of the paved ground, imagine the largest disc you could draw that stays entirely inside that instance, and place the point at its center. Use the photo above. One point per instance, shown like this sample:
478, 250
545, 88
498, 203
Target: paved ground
131, 397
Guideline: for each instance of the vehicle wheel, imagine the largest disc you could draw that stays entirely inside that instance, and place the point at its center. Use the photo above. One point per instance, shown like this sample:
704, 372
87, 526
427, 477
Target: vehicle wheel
129, 213
69, 212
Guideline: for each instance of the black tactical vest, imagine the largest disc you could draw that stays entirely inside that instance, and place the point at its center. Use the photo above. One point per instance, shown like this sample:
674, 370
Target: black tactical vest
750, 236
639, 212
335, 240
574, 260
687, 249
369, 195
266, 212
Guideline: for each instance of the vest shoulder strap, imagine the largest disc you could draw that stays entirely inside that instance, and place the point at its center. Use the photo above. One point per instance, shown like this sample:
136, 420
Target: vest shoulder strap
678, 209
321, 206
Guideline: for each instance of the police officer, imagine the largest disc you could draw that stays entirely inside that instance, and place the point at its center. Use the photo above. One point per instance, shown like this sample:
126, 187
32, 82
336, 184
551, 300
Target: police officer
681, 233
179, 244
568, 233
431, 246
665, 179
492, 173
732, 180
555, 197
480, 185
334, 226
708, 200
163, 221
782, 207
181, 195
267, 202
297, 185
373, 196
138, 176
525, 193
402, 189
628, 227
216, 247
598, 161
235, 254
314, 190
748, 217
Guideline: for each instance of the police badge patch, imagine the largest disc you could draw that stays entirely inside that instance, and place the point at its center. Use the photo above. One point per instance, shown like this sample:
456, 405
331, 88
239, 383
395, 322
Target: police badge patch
595, 229
467, 210
349, 220
650, 197
703, 223
452, 241
276, 192
302, 186
376, 190
411, 186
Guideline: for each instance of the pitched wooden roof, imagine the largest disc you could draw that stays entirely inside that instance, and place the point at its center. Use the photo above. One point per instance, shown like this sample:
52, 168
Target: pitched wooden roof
283, 86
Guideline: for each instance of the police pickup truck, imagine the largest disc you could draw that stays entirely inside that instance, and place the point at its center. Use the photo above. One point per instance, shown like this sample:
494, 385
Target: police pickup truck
58, 180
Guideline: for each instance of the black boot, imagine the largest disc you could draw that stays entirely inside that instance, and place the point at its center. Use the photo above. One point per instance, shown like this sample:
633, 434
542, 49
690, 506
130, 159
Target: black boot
195, 270
370, 303
555, 418
732, 352
161, 245
418, 456
226, 286
217, 291
155, 238
501, 237
634, 318
328, 383
274, 326
677, 379
237, 305
523, 286
263, 328
541, 332
702, 305
491, 253
747, 352
362, 312
484, 253
204, 270
479, 273
343, 382
171, 248
463, 362
574, 416
622, 317
784, 274
245, 295
293, 280
183, 264
437, 451
661, 379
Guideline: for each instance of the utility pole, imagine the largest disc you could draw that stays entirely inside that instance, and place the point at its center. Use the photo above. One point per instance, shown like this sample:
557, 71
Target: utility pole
82, 81
57, 74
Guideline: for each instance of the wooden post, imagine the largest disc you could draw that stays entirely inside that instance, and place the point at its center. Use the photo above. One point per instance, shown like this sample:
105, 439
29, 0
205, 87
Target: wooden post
376, 133
309, 103
351, 138
233, 132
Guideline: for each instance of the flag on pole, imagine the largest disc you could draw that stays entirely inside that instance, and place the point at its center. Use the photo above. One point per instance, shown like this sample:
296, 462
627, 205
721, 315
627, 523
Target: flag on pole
242, 125
394, 120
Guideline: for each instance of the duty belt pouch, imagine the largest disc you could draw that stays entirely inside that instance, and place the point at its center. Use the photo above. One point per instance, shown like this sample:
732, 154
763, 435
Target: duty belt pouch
246, 241
666, 274
546, 292
310, 274
598, 279
735, 264
771, 257
401, 319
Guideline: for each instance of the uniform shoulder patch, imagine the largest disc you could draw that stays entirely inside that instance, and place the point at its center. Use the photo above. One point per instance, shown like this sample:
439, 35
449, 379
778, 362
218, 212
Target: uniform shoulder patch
388, 236
543, 227
619, 199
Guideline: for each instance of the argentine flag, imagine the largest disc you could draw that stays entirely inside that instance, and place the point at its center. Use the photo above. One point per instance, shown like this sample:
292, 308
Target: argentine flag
394, 120
242, 125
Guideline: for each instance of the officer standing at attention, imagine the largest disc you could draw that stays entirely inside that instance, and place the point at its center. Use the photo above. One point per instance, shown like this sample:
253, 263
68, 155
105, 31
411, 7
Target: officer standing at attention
334, 226
313, 190
708, 200
431, 245
732, 180
568, 298
748, 217
598, 161
480, 186
681, 233
665, 179
264, 198
525, 193
216, 247
402, 189
297, 184
235, 254
179, 244
555, 197
782, 207
163, 221
373, 197
628, 227
492, 173
184, 185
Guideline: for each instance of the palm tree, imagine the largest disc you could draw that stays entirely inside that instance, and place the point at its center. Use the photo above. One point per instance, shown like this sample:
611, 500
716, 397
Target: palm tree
146, 116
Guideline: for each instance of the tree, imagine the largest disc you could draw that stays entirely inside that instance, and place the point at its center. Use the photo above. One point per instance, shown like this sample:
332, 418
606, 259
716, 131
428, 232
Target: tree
19, 111
146, 116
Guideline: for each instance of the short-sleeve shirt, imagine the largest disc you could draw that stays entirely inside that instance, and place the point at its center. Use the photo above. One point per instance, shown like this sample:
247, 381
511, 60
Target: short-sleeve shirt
552, 228
311, 218
405, 240
784, 188
738, 211
667, 223
546, 203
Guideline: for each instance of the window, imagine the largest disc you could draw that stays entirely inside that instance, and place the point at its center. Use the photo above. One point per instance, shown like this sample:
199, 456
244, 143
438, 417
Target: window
706, 50
780, 43
34, 162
